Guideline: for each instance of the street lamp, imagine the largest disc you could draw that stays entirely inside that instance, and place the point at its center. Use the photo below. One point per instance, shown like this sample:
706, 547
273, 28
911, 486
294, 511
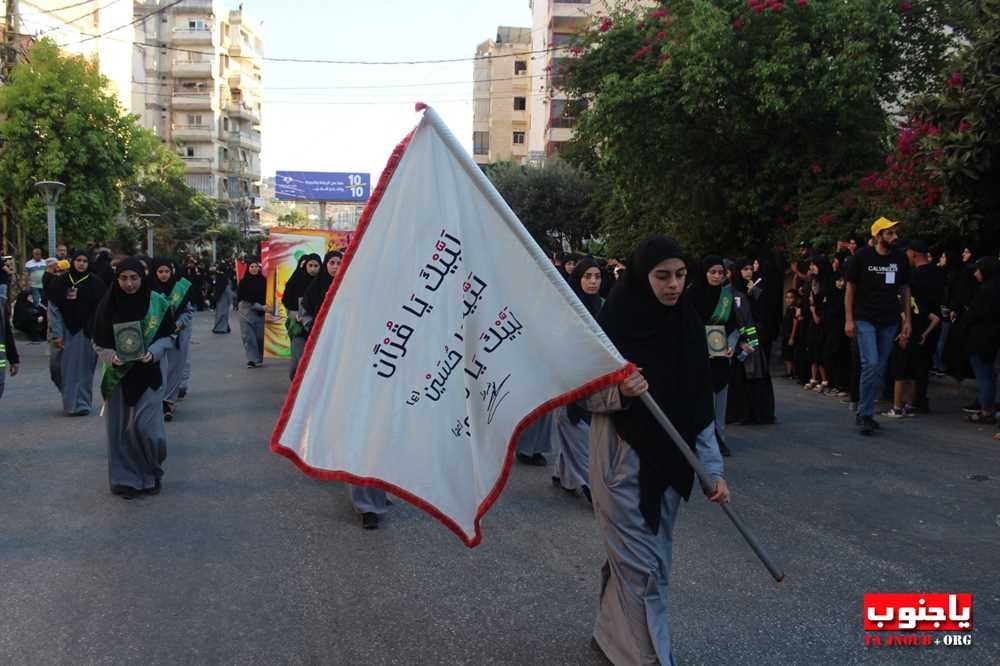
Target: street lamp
149, 231
50, 191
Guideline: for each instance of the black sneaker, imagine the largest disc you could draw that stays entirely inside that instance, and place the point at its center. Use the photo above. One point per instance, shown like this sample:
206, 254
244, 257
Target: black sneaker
369, 520
972, 408
866, 424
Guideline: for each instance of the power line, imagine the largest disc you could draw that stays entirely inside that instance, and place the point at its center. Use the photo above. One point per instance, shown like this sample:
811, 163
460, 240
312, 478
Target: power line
73, 21
59, 9
127, 25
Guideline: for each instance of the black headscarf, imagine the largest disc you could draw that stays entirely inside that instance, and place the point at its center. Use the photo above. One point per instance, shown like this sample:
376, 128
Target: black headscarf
118, 307
316, 292
590, 301
295, 287
668, 343
78, 313
102, 267
705, 298
252, 288
223, 279
166, 288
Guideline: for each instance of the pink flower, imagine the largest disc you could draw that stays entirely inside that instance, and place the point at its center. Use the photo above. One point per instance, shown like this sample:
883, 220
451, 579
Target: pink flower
964, 126
758, 8
736, 23
955, 80
775, 6
576, 50
788, 207
802, 3
905, 6
826, 218
659, 13
663, 58
816, 168
605, 24
661, 35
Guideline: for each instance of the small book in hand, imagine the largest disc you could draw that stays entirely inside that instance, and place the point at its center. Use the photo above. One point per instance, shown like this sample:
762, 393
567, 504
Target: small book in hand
129, 343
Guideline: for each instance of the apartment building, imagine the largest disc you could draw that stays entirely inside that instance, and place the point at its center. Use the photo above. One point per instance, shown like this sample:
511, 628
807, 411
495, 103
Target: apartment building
94, 29
553, 24
502, 89
197, 70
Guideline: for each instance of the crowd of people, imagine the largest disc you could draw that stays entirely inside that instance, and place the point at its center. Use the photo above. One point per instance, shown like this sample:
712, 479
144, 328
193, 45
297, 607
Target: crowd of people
703, 335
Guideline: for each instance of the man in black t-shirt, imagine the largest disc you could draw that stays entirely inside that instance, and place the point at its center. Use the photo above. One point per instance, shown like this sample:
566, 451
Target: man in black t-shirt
800, 268
877, 294
911, 360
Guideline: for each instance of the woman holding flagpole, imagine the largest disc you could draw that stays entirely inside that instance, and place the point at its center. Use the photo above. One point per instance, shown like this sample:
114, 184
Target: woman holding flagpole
252, 294
73, 299
132, 332
291, 298
367, 501
570, 424
177, 290
637, 477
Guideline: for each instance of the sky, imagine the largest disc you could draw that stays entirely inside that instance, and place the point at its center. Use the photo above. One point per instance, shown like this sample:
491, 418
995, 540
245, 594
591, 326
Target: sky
312, 120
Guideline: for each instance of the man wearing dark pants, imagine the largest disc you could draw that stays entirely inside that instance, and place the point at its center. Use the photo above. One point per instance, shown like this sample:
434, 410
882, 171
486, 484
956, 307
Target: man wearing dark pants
878, 291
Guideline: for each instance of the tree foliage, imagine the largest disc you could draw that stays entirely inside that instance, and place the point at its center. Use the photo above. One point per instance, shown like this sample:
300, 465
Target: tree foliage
62, 123
553, 202
732, 124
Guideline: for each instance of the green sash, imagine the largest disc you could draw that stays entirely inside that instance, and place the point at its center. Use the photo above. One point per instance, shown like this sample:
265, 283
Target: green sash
178, 293
113, 374
294, 328
724, 307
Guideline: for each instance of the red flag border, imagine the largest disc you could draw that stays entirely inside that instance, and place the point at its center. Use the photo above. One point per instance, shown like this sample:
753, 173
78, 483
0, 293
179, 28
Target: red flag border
590, 387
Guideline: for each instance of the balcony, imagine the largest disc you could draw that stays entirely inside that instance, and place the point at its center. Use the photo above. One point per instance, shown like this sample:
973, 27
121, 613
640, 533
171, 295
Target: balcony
519, 117
193, 36
192, 133
558, 134
568, 15
242, 110
236, 167
248, 140
197, 164
191, 100
184, 69
193, 7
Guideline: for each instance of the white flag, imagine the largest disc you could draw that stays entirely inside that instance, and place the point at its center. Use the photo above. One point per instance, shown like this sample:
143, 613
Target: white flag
446, 333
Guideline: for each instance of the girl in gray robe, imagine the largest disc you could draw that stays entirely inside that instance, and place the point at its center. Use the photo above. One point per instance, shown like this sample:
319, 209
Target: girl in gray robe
73, 300
167, 282
637, 475
252, 294
292, 296
8, 348
570, 424
223, 293
133, 391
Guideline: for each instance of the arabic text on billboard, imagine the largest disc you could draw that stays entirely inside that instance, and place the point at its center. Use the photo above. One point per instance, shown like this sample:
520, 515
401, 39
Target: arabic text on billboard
321, 186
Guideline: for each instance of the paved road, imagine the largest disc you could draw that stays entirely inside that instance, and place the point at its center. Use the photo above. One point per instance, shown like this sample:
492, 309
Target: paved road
243, 560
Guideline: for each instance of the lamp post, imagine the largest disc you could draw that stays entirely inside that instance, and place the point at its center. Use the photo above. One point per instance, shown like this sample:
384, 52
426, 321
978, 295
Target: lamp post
215, 235
149, 231
50, 191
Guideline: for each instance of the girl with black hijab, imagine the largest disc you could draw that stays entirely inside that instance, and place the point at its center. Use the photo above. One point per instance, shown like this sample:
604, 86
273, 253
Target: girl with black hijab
252, 294
295, 289
983, 320
570, 424
315, 293
751, 394
822, 290
167, 282
133, 391
222, 296
713, 301
637, 476
73, 300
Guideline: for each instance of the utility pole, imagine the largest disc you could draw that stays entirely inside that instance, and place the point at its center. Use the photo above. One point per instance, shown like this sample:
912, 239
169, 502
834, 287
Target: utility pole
8, 58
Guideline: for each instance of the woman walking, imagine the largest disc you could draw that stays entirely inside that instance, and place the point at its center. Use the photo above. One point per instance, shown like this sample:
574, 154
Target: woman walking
983, 321
251, 294
133, 390
295, 291
222, 294
571, 424
177, 290
637, 476
73, 300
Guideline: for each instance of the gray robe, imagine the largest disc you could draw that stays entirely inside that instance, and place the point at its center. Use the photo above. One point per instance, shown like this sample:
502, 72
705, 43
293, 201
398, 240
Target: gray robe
368, 500
298, 346
176, 357
252, 331
55, 355
77, 363
633, 625
222, 311
4, 323
572, 444
537, 438
137, 441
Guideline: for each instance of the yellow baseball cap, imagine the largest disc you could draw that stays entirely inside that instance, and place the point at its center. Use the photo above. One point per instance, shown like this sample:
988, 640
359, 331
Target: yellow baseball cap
881, 224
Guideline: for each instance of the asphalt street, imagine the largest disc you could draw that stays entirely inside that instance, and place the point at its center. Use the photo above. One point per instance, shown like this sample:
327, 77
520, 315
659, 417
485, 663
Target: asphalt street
244, 560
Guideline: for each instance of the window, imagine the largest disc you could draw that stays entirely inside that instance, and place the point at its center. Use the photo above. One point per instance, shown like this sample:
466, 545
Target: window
194, 119
520, 103
520, 67
197, 24
189, 151
480, 143
518, 138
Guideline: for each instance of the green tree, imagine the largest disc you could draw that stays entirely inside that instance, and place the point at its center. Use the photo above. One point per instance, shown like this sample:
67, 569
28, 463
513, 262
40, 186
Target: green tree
62, 123
293, 218
553, 202
733, 124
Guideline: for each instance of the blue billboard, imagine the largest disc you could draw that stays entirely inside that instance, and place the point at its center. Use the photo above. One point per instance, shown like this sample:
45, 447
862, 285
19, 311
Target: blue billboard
321, 186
